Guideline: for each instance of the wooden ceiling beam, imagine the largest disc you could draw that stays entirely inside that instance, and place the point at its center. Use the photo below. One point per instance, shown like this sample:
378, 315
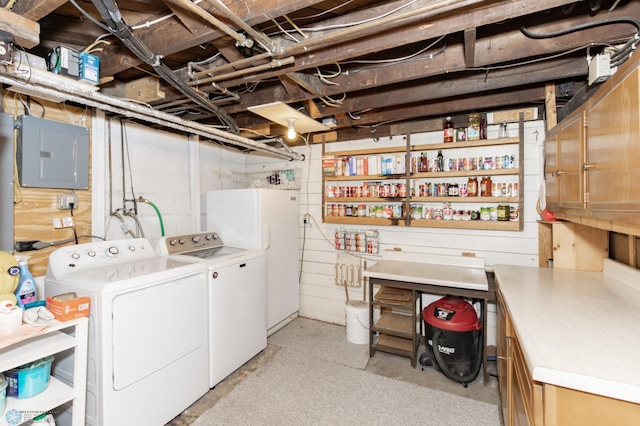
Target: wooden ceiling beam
406, 34
361, 129
26, 32
36, 9
170, 36
453, 86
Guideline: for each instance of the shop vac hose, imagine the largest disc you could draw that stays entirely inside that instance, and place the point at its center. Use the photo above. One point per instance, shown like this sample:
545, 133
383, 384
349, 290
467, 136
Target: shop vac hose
445, 369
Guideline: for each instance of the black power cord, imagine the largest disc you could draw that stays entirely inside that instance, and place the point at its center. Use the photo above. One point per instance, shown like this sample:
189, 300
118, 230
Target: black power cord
75, 234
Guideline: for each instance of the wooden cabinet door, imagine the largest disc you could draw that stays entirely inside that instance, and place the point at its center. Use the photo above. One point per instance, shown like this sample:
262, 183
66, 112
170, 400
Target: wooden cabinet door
551, 168
504, 378
613, 153
570, 162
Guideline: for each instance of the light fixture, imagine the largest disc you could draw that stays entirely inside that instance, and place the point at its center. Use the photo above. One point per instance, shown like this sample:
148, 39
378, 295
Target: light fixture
281, 113
291, 131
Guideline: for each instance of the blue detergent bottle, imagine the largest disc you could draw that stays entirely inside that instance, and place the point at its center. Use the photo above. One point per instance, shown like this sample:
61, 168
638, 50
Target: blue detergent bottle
26, 290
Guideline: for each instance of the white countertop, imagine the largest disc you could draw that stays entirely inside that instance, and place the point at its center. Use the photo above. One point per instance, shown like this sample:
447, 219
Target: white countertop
578, 329
429, 273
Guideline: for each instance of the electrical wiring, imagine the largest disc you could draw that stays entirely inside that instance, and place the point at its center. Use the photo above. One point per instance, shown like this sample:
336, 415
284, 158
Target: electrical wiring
293, 24
364, 21
75, 233
285, 32
390, 62
626, 20
327, 100
110, 12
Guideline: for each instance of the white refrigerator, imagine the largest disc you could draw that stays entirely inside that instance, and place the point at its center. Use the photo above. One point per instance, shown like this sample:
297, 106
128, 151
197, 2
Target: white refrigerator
264, 219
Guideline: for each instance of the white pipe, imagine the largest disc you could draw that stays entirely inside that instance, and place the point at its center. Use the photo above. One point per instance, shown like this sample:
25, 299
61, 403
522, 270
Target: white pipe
50, 85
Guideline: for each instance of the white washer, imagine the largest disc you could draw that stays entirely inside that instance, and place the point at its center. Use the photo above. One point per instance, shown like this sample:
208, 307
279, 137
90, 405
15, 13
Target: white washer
237, 298
148, 331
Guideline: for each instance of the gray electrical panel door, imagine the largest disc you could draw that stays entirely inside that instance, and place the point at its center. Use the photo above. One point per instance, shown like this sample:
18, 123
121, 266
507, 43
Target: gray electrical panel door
52, 154
6, 182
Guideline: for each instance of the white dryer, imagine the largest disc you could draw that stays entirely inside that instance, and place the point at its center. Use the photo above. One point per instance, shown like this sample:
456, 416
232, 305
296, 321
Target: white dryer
237, 298
148, 348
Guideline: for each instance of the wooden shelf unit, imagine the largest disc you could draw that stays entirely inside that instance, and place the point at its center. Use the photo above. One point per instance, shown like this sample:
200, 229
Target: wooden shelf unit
409, 179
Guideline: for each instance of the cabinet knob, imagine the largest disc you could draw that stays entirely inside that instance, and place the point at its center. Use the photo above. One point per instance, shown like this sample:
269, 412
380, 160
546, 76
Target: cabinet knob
587, 166
557, 173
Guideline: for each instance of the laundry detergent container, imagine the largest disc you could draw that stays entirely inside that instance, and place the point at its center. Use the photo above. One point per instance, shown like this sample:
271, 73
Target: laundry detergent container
453, 327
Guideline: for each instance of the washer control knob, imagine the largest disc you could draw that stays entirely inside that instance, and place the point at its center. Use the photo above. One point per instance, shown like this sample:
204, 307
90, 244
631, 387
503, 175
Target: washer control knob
173, 242
75, 255
182, 240
112, 251
215, 236
132, 248
195, 239
209, 237
91, 253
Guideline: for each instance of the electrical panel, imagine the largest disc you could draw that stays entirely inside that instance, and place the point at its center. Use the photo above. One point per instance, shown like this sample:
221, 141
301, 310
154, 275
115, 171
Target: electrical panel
52, 154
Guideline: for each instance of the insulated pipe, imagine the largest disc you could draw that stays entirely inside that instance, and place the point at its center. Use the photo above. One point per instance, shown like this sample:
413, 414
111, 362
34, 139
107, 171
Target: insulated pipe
50, 87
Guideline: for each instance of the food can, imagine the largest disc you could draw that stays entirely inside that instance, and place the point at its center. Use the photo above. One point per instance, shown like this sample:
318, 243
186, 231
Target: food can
514, 213
503, 212
416, 211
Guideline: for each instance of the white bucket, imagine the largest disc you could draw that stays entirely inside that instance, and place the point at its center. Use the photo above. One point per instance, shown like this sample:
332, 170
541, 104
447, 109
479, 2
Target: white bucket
357, 319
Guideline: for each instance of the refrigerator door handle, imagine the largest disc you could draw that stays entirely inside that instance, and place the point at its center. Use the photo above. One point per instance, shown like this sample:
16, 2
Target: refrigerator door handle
267, 228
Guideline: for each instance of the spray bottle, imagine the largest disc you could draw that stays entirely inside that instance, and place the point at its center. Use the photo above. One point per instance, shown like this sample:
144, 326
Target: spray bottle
26, 290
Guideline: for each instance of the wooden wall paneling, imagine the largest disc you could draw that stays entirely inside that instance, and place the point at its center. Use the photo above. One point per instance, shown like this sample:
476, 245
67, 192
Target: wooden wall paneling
579, 247
36, 208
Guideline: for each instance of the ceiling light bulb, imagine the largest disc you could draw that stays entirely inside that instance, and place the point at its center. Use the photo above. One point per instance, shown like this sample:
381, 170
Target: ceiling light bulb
291, 132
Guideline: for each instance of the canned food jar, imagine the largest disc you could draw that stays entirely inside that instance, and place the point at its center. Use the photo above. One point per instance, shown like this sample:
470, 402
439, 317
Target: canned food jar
484, 213
493, 213
473, 128
503, 212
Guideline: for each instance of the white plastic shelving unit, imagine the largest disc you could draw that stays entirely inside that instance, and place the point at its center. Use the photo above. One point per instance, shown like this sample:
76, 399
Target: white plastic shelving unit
66, 335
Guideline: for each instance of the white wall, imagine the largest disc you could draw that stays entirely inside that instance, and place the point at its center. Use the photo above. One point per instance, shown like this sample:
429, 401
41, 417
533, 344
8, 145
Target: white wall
322, 299
168, 169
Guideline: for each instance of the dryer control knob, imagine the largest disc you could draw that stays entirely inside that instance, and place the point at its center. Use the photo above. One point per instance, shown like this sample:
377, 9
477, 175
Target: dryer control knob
112, 251
209, 237
75, 255
195, 239
132, 248
173, 242
91, 253
182, 240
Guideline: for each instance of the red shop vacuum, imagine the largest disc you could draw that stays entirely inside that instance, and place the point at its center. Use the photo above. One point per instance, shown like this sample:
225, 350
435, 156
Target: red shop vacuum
453, 327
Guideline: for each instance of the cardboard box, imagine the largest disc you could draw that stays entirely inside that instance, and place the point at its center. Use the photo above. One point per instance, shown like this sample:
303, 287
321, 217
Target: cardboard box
70, 309
89, 67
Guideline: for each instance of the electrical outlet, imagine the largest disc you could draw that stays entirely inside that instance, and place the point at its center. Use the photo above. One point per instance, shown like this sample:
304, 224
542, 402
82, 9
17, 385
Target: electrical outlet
65, 201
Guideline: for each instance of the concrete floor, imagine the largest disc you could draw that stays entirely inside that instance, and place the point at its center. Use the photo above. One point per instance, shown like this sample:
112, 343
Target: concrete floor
383, 364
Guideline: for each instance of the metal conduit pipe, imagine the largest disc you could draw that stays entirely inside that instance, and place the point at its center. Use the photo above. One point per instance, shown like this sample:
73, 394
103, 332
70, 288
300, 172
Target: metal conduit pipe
380, 25
232, 65
276, 63
50, 88
261, 38
110, 12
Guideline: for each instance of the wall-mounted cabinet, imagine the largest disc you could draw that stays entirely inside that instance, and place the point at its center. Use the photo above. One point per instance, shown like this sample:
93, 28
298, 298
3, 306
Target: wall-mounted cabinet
466, 185
592, 156
564, 159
